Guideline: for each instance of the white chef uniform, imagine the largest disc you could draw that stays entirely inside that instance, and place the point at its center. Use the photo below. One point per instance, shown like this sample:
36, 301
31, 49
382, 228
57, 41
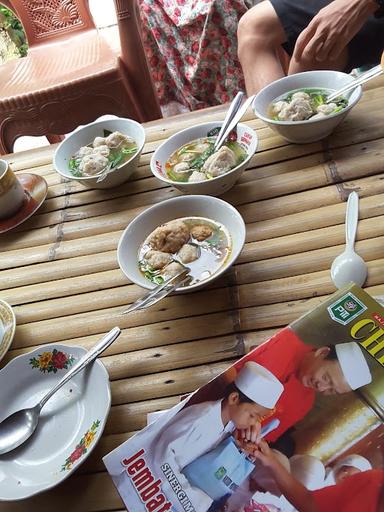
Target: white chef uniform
199, 428
194, 431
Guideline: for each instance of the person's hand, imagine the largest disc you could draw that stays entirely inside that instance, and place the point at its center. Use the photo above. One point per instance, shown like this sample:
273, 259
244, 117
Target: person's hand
265, 454
251, 434
332, 29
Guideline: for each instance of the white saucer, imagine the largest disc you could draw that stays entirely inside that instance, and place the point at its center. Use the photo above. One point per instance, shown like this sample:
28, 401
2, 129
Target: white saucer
70, 424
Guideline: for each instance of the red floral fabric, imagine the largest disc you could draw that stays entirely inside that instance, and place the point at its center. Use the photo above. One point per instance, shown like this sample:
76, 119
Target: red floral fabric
191, 46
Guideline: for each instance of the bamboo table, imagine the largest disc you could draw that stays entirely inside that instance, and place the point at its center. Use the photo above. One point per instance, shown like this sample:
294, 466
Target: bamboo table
59, 271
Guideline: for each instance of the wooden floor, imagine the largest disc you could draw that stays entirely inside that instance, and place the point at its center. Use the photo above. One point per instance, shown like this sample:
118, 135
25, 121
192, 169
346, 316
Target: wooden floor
59, 271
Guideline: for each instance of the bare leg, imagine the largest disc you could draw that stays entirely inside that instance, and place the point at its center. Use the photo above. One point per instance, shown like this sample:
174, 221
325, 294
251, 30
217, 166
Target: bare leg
260, 35
338, 64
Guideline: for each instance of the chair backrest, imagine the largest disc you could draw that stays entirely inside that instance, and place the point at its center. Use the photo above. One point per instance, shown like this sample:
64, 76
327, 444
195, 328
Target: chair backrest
49, 20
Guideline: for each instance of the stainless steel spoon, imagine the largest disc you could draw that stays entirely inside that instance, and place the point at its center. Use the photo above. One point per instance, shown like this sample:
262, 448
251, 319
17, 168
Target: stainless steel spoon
233, 108
349, 266
360, 80
19, 426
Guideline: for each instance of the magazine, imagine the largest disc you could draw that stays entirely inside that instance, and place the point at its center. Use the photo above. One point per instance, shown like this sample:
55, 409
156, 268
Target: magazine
309, 402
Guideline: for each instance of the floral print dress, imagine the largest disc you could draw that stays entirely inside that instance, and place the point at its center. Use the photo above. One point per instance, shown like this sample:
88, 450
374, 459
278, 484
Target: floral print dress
191, 47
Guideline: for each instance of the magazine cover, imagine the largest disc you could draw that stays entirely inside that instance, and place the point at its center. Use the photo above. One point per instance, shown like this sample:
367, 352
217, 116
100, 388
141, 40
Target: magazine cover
297, 421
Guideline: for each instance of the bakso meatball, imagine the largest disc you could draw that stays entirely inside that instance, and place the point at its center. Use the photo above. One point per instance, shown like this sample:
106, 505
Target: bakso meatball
170, 237
197, 176
187, 157
115, 139
93, 164
83, 151
220, 162
202, 146
101, 150
278, 106
172, 269
326, 108
301, 95
188, 253
181, 168
320, 115
298, 109
157, 259
99, 141
201, 232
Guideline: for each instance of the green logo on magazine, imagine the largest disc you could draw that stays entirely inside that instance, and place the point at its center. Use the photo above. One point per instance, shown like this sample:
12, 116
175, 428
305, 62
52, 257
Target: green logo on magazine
220, 473
346, 309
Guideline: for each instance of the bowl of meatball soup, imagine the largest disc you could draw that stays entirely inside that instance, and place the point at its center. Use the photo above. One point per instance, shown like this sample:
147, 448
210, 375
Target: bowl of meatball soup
296, 106
188, 162
201, 234
102, 154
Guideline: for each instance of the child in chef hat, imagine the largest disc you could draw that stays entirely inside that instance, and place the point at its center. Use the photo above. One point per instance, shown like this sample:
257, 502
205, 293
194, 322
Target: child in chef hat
251, 397
199, 428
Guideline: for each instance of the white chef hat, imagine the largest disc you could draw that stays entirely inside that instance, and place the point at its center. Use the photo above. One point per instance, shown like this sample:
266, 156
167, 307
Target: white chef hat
309, 470
259, 384
353, 364
356, 461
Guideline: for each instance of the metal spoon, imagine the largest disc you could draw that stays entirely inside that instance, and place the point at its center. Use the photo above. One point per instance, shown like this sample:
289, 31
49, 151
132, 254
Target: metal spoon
364, 77
19, 426
234, 114
233, 122
349, 266
233, 108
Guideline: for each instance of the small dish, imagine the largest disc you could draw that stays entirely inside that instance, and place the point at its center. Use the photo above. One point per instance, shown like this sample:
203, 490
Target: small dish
70, 425
176, 208
35, 188
303, 132
7, 327
245, 136
84, 135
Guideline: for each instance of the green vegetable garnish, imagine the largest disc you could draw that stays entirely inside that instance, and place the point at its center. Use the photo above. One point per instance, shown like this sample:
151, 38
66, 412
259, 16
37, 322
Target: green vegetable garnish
74, 166
198, 162
150, 273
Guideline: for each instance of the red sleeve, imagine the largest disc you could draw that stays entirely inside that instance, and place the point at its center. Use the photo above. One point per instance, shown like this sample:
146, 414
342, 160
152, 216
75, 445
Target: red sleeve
357, 493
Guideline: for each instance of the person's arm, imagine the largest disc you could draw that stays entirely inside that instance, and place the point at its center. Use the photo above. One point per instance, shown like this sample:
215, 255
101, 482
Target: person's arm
298, 495
332, 29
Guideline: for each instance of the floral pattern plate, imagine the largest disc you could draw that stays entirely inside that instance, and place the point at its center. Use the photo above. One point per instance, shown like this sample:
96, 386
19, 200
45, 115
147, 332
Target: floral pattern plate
70, 425
7, 327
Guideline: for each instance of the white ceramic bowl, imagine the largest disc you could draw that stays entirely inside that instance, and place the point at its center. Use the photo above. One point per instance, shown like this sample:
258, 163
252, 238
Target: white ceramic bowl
70, 425
84, 135
215, 186
305, 131
183, 206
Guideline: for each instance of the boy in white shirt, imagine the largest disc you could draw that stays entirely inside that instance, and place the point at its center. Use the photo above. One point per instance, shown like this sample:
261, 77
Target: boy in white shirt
198, 428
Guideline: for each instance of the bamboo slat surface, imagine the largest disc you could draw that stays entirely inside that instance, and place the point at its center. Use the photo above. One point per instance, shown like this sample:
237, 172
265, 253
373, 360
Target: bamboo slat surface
59, 271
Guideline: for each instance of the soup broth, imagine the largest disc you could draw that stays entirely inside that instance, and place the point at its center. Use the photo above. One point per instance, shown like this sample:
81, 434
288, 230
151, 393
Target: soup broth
103, 154
196, 160
197, 243
304, 104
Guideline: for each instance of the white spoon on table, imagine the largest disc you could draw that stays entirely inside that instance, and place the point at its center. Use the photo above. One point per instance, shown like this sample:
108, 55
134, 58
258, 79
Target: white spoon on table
349, 266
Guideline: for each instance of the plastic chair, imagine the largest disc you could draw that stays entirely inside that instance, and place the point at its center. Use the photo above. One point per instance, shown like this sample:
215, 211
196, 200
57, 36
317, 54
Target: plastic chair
71, 75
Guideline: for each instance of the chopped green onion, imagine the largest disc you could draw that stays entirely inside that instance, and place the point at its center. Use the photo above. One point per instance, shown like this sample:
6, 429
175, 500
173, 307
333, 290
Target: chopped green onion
129, 151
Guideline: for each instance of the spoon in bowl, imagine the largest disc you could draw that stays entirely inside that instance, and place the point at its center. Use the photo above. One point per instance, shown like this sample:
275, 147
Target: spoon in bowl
19, 426
349, 266
235, 113
360, 80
